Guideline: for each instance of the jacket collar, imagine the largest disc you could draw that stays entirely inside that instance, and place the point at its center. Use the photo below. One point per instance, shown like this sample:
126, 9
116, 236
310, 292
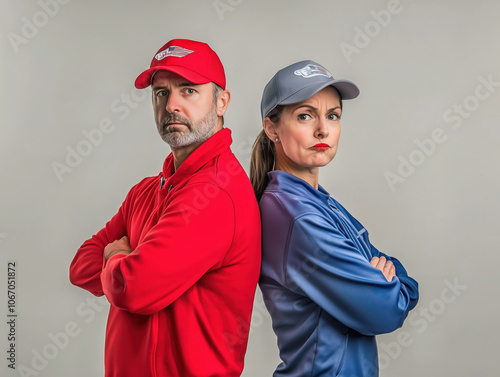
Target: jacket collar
213, 147
286, 182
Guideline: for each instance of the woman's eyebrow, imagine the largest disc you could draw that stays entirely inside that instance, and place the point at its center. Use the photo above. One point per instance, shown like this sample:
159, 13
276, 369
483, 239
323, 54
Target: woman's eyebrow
314, 108
308, 106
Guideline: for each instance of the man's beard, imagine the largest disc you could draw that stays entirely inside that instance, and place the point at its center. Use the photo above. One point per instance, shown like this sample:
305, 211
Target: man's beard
197, 132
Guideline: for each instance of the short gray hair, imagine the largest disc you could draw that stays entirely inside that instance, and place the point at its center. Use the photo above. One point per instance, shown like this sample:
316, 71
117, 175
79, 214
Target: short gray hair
217, 91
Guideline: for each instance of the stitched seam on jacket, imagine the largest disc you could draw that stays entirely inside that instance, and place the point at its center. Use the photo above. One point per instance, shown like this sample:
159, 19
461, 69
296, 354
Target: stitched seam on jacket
317, 341
287, 245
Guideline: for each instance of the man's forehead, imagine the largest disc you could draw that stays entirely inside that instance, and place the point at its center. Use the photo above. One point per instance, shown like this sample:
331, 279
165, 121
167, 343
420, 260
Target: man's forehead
163, 78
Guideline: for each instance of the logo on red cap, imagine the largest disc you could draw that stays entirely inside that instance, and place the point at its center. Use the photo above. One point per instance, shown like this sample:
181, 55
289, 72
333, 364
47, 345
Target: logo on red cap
175, 51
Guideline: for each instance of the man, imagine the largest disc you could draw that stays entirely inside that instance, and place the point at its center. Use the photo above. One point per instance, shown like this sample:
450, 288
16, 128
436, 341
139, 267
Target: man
179, 262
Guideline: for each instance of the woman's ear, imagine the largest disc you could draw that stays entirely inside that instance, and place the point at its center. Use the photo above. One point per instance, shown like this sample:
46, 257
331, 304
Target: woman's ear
270, 129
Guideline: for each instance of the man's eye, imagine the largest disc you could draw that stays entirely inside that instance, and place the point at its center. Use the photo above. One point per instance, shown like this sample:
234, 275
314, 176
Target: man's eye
161, 93
304, 116
190, 91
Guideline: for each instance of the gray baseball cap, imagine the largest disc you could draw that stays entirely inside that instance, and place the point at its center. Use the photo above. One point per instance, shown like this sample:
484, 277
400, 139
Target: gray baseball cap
301, 81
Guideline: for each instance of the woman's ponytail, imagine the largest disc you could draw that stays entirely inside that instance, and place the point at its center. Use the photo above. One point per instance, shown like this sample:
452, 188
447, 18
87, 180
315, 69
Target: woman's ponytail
262, 162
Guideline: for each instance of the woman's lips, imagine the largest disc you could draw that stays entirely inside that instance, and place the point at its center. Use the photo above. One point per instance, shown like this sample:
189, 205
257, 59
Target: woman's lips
320, 147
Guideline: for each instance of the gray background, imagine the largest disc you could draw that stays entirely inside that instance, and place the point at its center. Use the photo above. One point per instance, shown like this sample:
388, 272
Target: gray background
77, 68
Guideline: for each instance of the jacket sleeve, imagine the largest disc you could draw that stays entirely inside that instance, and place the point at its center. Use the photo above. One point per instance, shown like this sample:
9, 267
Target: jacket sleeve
410, 283
86, 267
191, 238
326, 266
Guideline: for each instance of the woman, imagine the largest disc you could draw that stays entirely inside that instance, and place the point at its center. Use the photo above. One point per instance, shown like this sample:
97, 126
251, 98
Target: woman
329, 291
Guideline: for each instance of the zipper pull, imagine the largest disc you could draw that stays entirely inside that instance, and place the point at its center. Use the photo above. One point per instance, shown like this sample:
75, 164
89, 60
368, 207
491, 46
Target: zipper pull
162, 181
332, 206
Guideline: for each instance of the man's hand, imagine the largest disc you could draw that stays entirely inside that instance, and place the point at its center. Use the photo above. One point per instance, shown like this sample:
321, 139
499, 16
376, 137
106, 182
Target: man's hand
121, 246
385, 266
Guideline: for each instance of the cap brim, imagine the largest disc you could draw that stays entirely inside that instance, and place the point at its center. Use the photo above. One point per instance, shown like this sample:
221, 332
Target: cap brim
144, 79
347, 90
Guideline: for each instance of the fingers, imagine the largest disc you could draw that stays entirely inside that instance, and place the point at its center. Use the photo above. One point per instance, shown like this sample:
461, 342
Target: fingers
125, 241
382, 262
378, 263
118, 243
374, 261
121, 246
392, 273
384, 265
389, 270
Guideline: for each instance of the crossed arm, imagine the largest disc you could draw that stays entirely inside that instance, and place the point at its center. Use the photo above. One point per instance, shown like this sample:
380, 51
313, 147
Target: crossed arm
326, 266
166, 262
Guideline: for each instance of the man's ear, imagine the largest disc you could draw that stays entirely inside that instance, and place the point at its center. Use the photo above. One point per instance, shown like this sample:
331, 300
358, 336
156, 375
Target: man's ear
270, 129
222, 102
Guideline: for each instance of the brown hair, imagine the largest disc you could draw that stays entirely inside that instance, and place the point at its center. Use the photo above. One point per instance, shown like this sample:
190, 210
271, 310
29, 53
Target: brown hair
263, 156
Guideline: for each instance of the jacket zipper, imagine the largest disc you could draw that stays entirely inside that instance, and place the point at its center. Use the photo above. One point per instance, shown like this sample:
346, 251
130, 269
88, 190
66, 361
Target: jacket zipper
154, 334
342, 359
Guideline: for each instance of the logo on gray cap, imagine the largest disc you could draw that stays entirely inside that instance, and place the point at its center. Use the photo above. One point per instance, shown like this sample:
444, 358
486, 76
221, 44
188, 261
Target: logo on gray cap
312, 70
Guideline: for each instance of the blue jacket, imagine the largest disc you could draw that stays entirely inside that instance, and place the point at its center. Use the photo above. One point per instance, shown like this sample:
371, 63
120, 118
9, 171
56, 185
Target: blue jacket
326, 301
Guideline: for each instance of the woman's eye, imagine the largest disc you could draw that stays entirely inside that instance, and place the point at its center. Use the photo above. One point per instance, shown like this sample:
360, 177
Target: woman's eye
304, 116
334, 117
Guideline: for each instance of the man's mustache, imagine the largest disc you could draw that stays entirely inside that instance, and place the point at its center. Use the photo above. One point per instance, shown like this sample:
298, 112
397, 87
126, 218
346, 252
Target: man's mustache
174, 118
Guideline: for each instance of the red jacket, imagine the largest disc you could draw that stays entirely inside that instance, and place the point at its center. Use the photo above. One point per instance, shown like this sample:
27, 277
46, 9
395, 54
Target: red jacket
181, 302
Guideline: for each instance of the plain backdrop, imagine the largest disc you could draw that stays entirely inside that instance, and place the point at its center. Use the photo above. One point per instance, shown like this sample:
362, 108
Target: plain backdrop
416, 163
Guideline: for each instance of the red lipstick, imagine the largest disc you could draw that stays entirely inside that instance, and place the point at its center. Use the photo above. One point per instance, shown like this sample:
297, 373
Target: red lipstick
321, 147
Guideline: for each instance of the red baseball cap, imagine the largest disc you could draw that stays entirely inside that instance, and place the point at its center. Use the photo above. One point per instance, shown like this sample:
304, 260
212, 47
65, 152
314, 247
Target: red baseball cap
195, 61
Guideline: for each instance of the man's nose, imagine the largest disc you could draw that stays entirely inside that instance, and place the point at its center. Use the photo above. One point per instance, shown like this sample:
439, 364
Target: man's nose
173, 102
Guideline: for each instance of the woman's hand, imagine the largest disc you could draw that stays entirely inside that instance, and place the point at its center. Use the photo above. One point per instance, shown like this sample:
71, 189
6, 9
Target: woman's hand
385, 266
